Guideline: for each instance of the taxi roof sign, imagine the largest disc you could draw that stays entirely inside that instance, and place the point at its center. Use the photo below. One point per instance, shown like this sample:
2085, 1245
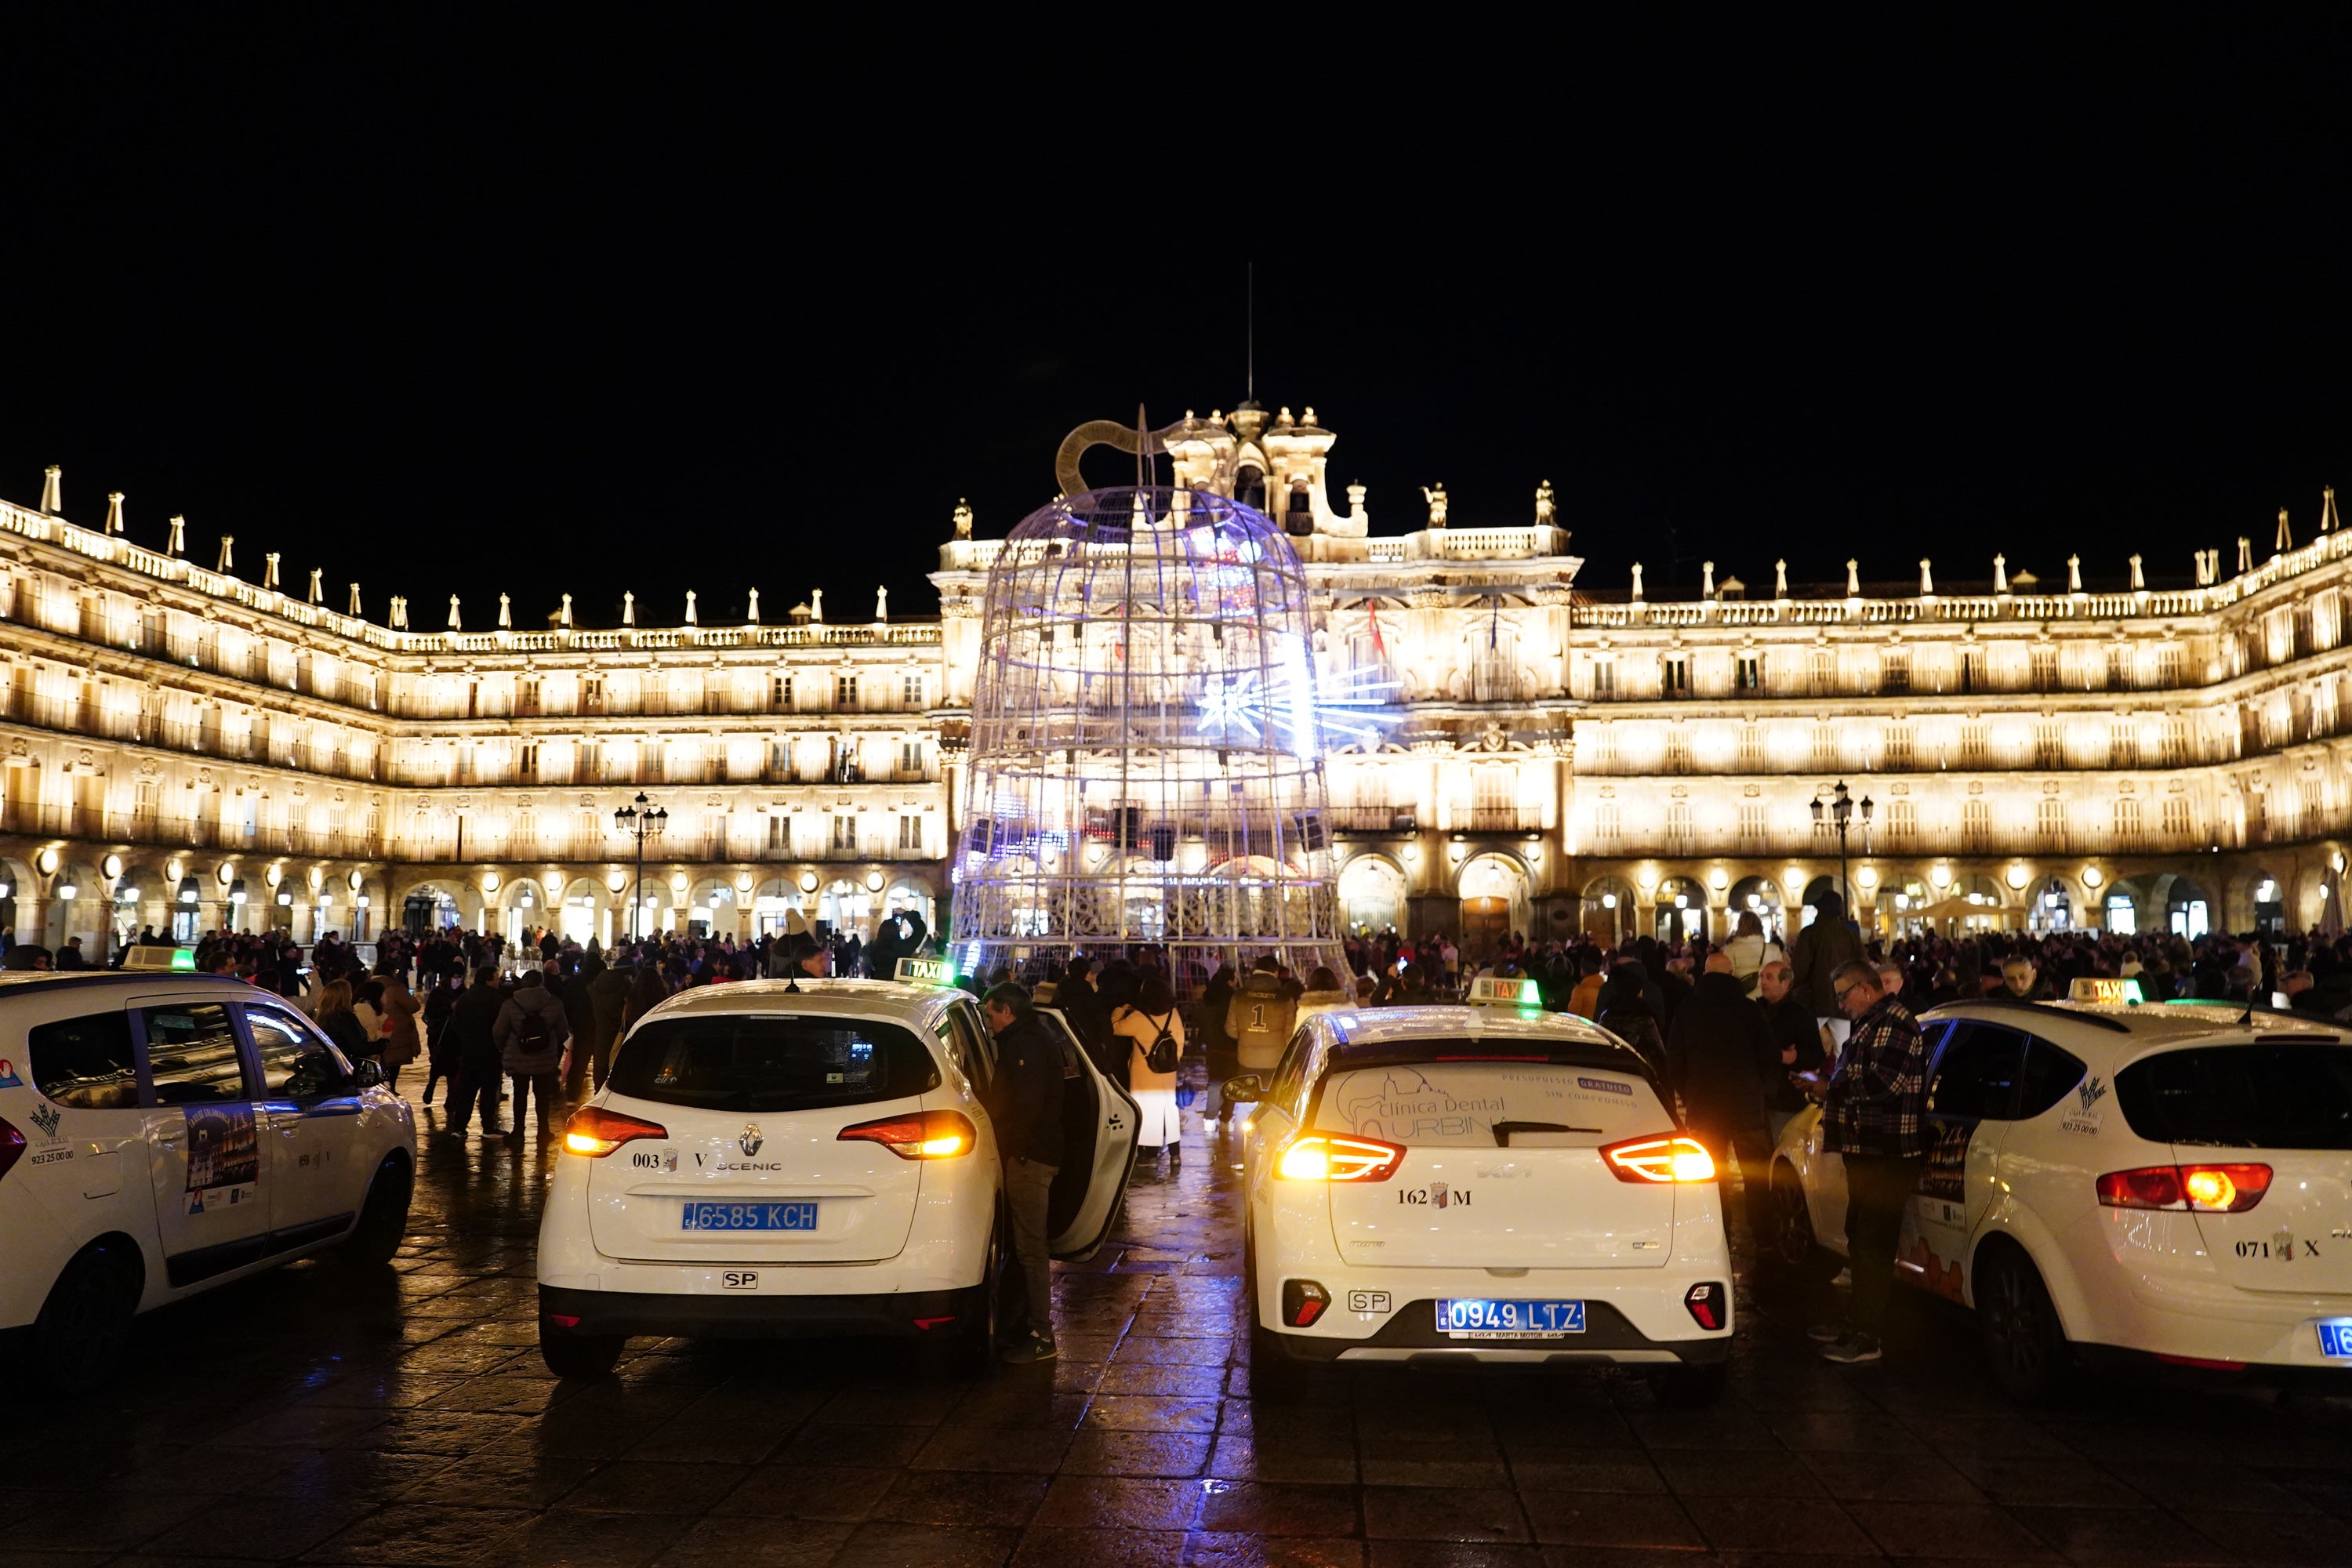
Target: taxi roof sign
924, 971
1487, 991
2106, 991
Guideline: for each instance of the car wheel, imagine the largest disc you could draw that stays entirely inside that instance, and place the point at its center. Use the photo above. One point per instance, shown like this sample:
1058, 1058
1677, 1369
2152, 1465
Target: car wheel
78, 1337
570, 1355
1794, 1248
383, 1218
974, 1350
1688, 1388
2025, 1346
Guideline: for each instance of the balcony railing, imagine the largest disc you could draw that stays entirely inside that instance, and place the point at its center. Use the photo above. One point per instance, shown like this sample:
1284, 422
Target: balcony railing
1374, 819
1504, 819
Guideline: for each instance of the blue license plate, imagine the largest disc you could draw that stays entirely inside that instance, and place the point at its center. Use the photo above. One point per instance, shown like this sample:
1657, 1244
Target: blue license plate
2336, 1339
750, 1217
1518, 1319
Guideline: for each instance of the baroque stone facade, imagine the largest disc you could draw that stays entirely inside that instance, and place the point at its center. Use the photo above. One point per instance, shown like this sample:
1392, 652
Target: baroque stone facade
180, 743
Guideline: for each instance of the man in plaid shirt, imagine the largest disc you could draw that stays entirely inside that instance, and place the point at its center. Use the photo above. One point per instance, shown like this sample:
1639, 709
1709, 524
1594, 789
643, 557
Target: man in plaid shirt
1871, 1114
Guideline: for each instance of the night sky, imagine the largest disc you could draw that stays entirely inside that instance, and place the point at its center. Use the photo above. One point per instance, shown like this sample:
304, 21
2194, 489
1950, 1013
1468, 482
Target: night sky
664, 307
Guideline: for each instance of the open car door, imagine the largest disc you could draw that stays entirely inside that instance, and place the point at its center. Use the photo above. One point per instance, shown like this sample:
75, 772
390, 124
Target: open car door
1099, 1125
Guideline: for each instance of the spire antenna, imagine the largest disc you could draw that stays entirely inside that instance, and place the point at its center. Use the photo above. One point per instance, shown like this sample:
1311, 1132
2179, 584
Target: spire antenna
1249, 331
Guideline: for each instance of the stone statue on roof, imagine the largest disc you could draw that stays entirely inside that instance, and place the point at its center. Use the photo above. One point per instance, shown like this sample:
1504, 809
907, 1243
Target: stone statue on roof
1435, 496
1545, 510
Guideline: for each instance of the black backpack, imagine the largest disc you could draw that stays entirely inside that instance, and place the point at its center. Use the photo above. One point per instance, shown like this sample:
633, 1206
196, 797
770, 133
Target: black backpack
1162, 1056
531, 1033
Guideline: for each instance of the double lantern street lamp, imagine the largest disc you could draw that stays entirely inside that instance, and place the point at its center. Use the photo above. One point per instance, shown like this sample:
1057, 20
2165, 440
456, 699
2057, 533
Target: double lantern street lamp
644, 820
1835, 813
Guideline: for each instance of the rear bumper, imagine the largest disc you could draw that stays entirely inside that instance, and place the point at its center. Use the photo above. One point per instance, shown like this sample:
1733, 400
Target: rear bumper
894, 1314
1410, 1335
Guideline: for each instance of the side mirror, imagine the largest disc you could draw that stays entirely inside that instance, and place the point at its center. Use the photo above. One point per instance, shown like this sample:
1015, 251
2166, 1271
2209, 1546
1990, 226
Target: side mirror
367, 1073
1246, 1089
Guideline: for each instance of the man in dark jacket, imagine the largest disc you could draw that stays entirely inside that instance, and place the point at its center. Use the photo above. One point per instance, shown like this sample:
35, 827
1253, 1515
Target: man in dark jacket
580, 1016
1713, 1047
1821, 950
608, 992
1079, 1002
531, 1031
1026, 1108
473, 1019
1797, 1042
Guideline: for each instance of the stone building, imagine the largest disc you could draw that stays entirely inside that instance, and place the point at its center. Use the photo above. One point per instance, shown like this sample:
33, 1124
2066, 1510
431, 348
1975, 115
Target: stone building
184, 746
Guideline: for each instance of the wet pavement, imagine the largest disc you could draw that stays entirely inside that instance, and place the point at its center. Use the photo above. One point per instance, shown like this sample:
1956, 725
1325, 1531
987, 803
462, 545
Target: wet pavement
403, 1418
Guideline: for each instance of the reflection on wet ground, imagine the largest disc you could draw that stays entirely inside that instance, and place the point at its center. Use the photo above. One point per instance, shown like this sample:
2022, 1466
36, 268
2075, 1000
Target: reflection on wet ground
404, 1419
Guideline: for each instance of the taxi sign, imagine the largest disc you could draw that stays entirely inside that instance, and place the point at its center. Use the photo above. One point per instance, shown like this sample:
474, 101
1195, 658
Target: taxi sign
1486, 991
2107, 992
149, 956
924, 971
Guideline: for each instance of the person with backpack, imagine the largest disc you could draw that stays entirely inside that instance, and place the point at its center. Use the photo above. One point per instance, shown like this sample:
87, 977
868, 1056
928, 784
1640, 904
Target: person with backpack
1153, 1031
531, 1032
1261, 1016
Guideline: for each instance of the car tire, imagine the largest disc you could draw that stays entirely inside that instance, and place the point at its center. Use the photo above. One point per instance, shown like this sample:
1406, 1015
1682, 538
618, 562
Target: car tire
383, 1224
570, 1355
79, 1338
1688, 1388
2024, 1343
1794, 1249
974, 1350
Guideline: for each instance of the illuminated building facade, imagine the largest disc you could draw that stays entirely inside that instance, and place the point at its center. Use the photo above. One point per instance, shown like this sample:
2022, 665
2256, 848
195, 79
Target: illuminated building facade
183, 743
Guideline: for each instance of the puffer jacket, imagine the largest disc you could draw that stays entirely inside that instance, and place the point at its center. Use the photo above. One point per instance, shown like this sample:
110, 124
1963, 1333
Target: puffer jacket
1313, 1002
531, 996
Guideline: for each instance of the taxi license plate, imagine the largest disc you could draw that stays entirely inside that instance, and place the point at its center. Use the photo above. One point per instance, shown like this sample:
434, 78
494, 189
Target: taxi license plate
2336, 1339
1489, 1319
750, 1217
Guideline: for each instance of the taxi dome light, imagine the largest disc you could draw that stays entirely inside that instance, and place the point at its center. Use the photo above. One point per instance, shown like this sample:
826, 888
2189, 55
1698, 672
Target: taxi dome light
595, 1132
1667, 1157
2106, 991
2196, 1189
1336, 1157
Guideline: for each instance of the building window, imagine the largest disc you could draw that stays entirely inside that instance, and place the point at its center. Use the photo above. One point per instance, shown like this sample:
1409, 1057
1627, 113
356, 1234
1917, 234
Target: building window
2167, 665
910, 832
780, 693
1494, 675
527, 767
1902, 823
1898, 748
2123, 744
1607, 824
2119, 662
910, 759
2178, 828
2050, 822
1605, 678
844, 693
1678, 750
1976, 826
2049, 746
528, 700
1748, 672
912, 692
2045, 668
780, 839
1680, 838
1895, 673
2128, 822
2176, 741
1751, 748
649, 762
844, 832
1674, 675
1974, 747
1823, 673
1825, 748
1751, 826
592, 694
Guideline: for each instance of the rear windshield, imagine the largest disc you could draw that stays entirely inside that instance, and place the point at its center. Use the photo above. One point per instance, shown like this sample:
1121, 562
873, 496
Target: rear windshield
772, 1064
2242, 1097
1488, 1105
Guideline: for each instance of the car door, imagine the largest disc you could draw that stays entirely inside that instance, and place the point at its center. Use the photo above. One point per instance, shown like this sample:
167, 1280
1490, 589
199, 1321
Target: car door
308, 1120
204, 1140
1100, 1122
1972, 1085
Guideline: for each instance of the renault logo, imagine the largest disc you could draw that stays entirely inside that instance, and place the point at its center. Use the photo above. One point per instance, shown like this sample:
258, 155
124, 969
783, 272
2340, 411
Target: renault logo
751, 1141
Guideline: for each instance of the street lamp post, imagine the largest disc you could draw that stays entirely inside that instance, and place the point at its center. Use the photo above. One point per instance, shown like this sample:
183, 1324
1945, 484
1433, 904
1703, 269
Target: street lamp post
1837, 812
642, 820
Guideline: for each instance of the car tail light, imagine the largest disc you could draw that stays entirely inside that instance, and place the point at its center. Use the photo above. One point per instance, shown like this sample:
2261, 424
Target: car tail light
1705, 1304
11, 1146
1302, 1301
1337, 1157
2196, 1189
1669, 1157
596, 1133
564, 1320
918, 1136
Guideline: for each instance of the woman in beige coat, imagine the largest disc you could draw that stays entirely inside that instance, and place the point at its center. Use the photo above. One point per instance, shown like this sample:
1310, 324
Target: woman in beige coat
1155, 1092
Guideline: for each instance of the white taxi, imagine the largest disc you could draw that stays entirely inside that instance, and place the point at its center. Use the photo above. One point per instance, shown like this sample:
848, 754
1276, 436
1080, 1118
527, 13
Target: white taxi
165, 1135
778, 1158
2110, 1182
1479, 1184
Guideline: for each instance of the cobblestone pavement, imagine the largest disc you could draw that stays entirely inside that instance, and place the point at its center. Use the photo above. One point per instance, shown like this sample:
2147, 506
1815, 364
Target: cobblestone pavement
404, 1419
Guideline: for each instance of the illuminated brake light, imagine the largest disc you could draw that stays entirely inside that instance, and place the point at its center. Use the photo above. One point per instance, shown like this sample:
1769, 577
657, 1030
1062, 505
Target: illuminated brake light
2194, 1189
1337, 1157
1664, 1158
919, 1135
596, 1133
11, 1146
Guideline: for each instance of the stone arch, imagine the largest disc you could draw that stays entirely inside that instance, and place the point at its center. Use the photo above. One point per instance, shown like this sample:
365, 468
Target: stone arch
1373, 890
1493, 888
1608, 914
1678, 908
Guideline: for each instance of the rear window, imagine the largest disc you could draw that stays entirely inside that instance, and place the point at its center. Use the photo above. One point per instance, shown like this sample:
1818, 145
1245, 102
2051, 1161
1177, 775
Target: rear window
772, 1064
86, 1062
2242, 1097
1488, 1104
